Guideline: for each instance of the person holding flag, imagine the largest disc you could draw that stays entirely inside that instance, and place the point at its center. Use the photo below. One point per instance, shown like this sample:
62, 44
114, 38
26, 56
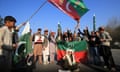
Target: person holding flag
69, 60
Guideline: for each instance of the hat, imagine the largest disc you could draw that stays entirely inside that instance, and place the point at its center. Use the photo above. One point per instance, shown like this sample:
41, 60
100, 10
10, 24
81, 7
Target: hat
46, 30
70, 50
101, 28
39, 29
52, 33
9, 18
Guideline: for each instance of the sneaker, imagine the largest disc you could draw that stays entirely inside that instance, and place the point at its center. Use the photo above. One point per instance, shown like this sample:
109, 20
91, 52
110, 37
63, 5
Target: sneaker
77, 70
105, 67
52, 62
63, 70
113, 69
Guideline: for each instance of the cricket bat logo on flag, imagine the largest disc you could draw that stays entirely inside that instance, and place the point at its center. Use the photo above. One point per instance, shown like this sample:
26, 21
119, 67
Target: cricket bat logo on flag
74, 8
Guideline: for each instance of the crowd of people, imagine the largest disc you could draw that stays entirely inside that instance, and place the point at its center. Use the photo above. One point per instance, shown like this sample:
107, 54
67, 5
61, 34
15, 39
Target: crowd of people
45, 45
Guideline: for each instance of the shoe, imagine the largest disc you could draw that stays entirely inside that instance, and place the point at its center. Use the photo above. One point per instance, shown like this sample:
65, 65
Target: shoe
52, 62
113, 69
40, 63
105, 67
77, 70
48, 62
45, 63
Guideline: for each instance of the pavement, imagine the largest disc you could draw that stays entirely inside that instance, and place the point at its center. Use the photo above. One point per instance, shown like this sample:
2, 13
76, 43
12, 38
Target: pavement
56, 68
83, 67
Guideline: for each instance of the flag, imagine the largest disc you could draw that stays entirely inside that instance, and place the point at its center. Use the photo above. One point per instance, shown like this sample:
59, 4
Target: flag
74, 8
79, 48
59, 32
24, 45
94, 23
26, 36
59, 27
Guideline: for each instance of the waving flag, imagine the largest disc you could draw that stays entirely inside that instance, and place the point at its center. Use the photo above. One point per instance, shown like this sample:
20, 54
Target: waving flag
74, 8
25, 44
94, 23
26, 36
79, 48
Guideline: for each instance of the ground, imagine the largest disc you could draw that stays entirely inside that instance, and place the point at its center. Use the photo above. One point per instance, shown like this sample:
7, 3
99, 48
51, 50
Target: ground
83, 67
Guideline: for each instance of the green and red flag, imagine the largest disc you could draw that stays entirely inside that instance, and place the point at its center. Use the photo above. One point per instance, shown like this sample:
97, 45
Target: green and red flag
79, 48
74, 8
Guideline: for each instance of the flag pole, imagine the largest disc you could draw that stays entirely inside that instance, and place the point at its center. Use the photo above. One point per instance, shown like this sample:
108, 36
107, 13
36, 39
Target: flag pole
22, 24
77, 25
36, 11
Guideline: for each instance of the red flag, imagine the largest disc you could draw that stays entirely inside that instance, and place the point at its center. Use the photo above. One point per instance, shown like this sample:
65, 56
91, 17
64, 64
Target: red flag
79, 48
74, 8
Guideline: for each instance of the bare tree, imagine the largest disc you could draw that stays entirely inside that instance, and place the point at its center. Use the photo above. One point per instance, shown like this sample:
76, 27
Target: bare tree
113, 22
1, 21
113, 27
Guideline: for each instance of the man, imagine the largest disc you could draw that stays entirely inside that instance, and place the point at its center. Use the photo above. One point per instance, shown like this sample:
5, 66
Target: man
68, 61
38, 46
45, 47
93, 43
52, 47
105, 49
6, 44
85, 34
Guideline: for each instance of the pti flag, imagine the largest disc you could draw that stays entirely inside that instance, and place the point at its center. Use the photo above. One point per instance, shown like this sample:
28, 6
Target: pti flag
79, 48
74, 8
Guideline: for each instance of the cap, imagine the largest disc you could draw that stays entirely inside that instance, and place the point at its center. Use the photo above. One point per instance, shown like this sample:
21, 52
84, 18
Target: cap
39, 29
52, 33
9, 18
101, 28
70, 50
46, 30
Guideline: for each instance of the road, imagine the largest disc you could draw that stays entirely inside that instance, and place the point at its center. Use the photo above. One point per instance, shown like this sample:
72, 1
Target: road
83, 67
116, 56
55, 68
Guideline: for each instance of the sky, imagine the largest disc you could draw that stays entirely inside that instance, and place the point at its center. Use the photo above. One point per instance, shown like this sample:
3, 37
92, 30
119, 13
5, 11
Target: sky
49, 16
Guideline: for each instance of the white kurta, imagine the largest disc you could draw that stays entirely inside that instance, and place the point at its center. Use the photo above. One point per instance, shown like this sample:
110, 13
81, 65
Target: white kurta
6, 48
45, 50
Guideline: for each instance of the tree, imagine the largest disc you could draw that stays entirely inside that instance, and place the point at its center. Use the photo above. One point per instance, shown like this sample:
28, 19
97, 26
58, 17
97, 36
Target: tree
1, 21
113, 27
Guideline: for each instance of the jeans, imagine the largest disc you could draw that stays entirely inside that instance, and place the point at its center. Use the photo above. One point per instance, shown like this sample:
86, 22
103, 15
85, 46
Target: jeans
94, 55
107, 56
